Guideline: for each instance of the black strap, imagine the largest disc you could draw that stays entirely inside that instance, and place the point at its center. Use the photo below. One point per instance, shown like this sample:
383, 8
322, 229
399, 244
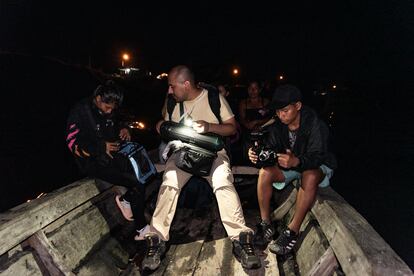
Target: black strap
181, 112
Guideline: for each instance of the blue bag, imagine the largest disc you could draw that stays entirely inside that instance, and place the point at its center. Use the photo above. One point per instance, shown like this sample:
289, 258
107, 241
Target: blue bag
139, 159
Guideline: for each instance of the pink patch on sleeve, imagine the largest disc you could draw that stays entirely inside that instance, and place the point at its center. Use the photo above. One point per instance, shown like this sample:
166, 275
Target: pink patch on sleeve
73, 133
70, 144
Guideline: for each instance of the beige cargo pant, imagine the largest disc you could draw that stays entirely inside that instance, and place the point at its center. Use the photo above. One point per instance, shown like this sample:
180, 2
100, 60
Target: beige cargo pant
220, 179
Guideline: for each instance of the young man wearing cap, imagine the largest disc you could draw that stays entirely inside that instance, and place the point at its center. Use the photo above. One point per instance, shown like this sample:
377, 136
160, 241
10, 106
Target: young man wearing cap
300, 140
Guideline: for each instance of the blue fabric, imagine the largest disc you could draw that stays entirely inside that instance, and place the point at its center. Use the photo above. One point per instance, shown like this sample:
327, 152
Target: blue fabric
140, 161
291, 175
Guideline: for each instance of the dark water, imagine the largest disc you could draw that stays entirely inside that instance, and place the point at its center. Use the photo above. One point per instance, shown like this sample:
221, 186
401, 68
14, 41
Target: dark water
373, 138
374, 144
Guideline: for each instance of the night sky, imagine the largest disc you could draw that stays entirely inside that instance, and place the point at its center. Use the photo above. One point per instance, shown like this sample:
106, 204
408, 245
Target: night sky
347, 42
364, 47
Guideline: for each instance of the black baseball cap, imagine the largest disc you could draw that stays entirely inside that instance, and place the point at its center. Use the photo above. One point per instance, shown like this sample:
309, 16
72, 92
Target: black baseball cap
285, 95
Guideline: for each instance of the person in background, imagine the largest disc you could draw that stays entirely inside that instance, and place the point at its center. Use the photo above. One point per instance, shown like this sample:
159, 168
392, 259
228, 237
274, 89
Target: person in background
301, 141
253, 112
93, 135
224, 90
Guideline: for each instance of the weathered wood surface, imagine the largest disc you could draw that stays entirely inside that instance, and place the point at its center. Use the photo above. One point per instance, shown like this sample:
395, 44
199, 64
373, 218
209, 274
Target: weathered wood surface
326, 265
243, 170
311, 246
76, 233
358, 247
74, 225
48, 255
19, 261
185, 259
200, 246
211, 258
285, 207
20, 222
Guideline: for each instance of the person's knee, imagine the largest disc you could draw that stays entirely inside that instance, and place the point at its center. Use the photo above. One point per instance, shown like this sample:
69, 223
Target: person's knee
170, 179
269, 175
227, 188
168, 191
311, 178
222, 177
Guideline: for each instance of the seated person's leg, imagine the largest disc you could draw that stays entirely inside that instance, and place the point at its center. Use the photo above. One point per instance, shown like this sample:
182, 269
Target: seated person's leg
131, 203
305, 198
265, 230
174, 179
291, 175
136, 197
231, 212
267, 176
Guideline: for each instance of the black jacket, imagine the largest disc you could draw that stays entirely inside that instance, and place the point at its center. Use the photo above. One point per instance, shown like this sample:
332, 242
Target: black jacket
87, 131
312, 145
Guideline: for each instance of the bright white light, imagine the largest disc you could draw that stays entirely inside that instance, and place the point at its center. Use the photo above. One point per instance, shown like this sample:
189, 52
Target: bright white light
186, 131
188, 122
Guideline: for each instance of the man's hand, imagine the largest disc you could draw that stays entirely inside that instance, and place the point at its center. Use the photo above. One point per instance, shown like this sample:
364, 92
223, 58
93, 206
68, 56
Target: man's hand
124, 134
201, 126
252, 156
287, 160
111, 147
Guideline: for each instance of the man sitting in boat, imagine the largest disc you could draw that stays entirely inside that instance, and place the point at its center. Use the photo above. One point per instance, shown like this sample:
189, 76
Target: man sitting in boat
196, 106
300, 140
93, 135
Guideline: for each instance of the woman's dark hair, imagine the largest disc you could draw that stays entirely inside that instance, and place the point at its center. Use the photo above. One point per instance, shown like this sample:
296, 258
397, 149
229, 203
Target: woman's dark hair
109, 92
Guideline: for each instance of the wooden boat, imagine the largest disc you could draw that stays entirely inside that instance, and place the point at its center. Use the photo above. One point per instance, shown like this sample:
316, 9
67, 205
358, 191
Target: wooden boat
78, 230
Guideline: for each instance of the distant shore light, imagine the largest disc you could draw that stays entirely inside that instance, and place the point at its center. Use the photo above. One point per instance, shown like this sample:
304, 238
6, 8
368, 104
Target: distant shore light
162, 75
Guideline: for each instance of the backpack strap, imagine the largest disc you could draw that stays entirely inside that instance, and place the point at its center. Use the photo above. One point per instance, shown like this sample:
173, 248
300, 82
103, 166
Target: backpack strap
213, 99
181, 112
170, 106
171, 102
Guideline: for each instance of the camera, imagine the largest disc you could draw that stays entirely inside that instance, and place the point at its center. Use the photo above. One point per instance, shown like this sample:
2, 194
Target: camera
266, 156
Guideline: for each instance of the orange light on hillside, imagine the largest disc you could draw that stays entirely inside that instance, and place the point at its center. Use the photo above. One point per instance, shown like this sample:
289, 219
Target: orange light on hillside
125, 57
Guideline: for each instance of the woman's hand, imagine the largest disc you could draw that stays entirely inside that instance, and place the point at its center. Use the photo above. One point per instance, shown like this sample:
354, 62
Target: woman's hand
124, 134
